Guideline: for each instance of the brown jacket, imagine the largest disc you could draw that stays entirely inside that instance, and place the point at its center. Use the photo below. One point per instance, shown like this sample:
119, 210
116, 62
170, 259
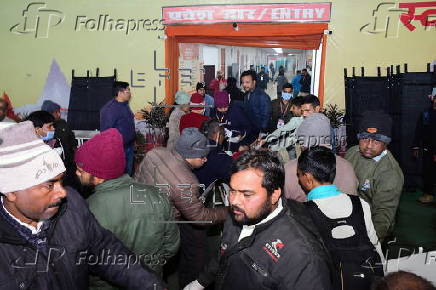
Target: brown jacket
345, 179
173, 175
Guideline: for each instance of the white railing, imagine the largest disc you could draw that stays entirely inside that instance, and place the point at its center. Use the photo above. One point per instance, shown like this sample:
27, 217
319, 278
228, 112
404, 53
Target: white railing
83, 135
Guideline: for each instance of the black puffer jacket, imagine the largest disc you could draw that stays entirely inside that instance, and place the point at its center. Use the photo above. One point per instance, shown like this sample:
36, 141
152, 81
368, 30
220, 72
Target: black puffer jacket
77, 245
280, 254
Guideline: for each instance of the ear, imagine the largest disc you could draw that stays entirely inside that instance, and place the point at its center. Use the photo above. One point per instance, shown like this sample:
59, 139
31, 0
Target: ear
310, 181
11, 196
98, 180
276, 195
318, 109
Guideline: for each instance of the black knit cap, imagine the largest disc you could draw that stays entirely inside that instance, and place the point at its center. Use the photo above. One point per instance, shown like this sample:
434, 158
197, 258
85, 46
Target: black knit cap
200, 85
375, 125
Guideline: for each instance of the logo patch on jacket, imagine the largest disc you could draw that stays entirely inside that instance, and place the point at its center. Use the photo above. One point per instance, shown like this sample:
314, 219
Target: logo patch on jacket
223, 248
366, 185
272, 249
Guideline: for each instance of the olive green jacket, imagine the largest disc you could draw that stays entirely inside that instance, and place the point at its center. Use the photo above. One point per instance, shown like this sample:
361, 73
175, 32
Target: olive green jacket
380, 184
137, 215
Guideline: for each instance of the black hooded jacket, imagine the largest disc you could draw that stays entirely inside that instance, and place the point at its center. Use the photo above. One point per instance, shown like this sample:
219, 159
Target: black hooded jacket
76, 246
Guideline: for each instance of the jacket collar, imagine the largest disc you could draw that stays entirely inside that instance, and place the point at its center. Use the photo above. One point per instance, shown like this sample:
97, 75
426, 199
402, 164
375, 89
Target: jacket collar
248, 230
323, 191
181, 159
114, 183
10, 236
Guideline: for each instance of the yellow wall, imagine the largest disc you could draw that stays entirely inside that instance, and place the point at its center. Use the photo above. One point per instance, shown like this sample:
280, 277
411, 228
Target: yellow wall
25, 60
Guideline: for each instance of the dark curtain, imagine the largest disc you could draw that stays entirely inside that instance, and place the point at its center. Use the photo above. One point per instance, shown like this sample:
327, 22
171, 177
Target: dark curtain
88, 95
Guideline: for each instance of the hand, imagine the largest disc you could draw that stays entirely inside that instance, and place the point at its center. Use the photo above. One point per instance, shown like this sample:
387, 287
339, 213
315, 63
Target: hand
243, 148
260, 142
194, 285
415, 152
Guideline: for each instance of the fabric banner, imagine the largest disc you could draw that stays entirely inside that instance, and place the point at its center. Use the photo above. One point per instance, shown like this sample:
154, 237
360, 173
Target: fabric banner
295, 12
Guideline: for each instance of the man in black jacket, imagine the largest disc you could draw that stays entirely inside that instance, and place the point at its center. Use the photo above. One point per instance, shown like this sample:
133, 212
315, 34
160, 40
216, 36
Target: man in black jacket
257, 103
305, 83
67, 139
265, 245
48, 237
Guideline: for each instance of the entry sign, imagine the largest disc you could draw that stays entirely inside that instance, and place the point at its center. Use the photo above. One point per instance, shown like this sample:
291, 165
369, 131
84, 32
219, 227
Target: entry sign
293, 12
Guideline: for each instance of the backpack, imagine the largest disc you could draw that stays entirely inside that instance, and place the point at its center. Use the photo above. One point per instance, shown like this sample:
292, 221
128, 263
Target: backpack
355, 259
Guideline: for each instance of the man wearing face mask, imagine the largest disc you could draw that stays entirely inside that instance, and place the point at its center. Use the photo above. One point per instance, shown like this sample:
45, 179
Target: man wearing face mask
44, 128
65, 136
281, 108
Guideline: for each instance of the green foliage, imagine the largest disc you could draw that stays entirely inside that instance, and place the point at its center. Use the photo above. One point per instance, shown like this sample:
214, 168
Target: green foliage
335, 115
155, 116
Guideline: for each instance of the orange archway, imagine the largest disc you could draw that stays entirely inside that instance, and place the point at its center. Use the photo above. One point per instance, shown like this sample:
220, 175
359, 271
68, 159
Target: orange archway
277, 35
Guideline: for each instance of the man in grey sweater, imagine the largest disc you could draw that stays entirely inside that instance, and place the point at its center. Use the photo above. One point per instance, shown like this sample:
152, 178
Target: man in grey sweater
315, 131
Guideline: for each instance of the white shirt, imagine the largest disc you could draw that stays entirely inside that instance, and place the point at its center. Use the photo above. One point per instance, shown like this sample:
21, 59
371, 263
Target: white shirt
379, 157
248, 230
33, 229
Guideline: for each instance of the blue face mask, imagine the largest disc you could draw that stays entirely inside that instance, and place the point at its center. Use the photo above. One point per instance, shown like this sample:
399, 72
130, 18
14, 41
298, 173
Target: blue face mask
287, 96
50, 135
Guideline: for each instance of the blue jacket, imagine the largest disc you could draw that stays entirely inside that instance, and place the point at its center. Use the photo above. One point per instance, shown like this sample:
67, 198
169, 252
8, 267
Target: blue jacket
118, 115
296, 83
258, 109
218, 166
209, 101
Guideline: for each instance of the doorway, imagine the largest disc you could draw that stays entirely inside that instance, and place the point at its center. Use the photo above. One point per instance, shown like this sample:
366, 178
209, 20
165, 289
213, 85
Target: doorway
307, 36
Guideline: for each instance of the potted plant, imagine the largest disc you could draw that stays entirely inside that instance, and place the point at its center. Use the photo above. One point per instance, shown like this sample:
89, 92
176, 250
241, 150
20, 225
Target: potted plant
151, 123
336, 117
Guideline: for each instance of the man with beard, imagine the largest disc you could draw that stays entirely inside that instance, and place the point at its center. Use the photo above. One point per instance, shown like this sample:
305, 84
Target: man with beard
264, 245
380, 177
48, 237
137, 214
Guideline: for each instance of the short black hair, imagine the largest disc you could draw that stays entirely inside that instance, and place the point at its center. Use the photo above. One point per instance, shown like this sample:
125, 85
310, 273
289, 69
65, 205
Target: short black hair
265, 161
287, 86
119, 87
311, 99
320, 161
304, 70
210, 127
297, 101
39, 118
251, 73
298, 71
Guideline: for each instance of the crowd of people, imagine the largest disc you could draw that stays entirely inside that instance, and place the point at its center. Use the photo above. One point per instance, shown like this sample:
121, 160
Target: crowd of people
294, 215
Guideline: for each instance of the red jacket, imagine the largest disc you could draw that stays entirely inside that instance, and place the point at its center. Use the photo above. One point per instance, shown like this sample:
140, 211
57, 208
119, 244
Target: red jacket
192, 120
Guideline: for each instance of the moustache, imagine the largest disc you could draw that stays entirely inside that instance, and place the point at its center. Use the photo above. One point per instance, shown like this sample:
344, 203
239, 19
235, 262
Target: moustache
234, 207
55, 204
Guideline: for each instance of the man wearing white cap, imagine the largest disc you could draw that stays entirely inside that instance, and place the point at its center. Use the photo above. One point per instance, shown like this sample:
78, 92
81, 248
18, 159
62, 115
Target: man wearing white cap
48, 237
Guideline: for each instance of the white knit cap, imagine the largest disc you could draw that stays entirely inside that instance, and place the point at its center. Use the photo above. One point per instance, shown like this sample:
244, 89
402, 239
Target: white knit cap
25, 160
